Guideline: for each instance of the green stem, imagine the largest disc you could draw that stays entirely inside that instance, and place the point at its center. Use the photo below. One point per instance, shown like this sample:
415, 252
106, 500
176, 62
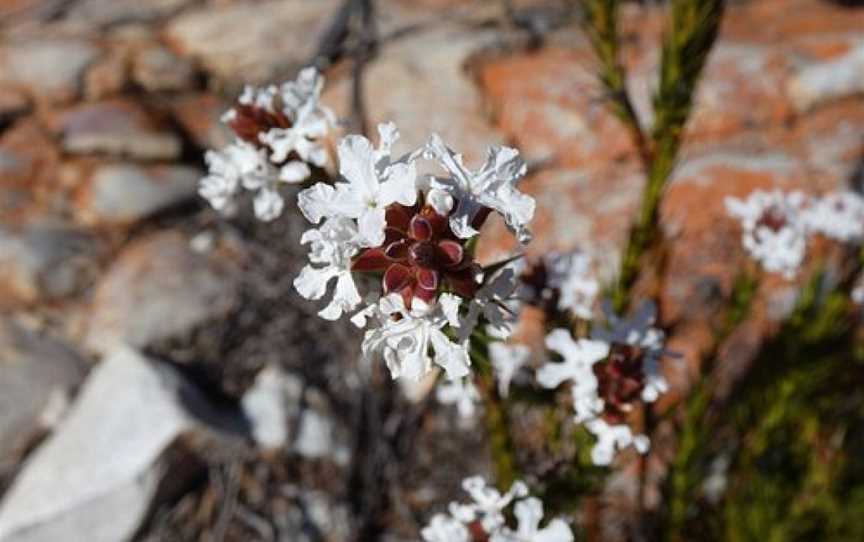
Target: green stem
495, 413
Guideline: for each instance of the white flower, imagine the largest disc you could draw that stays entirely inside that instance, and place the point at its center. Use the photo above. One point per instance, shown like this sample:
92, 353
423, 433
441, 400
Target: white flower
611, 438
639, 331
529, 513
506, 360
406, 336
443, 528
837, 215
222, 181
571, 275
241, 164
774, 232
333, 246
492, 186
496, 302
579, 358
462, 393
373, 182
309, 123
488, 503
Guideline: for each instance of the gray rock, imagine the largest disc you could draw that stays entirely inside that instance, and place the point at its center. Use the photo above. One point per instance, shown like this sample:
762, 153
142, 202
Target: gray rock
822, 82
110, 12
127, 192
44, 262
51, 68
252, 41
38, 375
156, 289
410, 74
272, 405
158, 69
94, 479
117, 128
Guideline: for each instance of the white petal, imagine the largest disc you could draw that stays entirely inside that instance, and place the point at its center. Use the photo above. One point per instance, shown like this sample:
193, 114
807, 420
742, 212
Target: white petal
268, 204
345, 298
315, 202
370, 227
312, 282
357, 165
294, 172
400, 186
453, 358
529, 513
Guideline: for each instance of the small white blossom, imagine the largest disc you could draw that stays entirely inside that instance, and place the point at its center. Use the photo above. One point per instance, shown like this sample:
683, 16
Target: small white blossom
262, 168
405, 337
443, 528
639, 331
774, 232
488, 508
577, 367
495, 301
488, 503
241, 164
462, 393
309, 123
506, 360
837, 215
611, 438
571, 275
492, 186
333, 246
529, 514
373, 182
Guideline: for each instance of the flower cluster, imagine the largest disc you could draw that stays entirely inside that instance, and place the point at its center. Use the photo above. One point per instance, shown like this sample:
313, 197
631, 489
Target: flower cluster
609, 373
562, 282
278, 135
776, 225
484, 518
405, 240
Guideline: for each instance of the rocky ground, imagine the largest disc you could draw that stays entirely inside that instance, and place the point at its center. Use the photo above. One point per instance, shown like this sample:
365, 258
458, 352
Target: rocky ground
160, 379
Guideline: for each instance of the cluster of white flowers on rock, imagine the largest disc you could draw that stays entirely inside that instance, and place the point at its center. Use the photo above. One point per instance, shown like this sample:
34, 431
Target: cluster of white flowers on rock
486, 513
617, 366
400, 239
776, 225
278, 134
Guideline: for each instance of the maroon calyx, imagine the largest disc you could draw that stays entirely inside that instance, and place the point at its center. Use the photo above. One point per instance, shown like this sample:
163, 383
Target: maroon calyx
420, 256
250, 120
621, 379
772, 218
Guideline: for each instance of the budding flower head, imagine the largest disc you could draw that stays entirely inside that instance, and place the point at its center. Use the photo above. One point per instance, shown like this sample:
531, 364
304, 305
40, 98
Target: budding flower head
608, 374
774, 232
278, 135
404, 241
485, 518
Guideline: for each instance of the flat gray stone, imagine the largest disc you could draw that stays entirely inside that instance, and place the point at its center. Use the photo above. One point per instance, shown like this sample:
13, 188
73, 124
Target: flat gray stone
94, 479
116, 128
48, 67
157, 288
110, 12
128, 192
822, 82
45, 262
252, 41
38, 375
158, 69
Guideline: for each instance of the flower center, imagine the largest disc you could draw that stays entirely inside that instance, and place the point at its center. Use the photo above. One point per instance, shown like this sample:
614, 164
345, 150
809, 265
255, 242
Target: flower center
773, 218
